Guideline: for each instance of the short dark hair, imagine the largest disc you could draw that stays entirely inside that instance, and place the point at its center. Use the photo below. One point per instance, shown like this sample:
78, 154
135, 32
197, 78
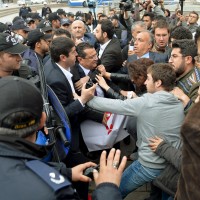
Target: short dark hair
169, 13
148, 14
193, 12
61, 31
81, 47
187, 47
139, 67
180, 32
59, 46
107, 26
161, 24
165, 73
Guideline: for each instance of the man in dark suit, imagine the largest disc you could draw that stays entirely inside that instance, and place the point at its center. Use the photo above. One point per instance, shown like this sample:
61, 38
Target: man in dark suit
58, 76
110, 50
142, 49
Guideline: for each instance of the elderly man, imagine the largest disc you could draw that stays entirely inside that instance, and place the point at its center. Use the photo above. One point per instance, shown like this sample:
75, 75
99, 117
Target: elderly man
78, 31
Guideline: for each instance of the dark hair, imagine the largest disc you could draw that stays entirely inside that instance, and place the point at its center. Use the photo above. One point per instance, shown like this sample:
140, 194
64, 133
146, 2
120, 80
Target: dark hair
187, 47
193, 12
7, 126
148, 14
59, 46
159, 18
180, 32
81, 47
165, 73
197, 34
179, 11
161, 24
169, 13
107, 26
61, 31
88, 16
139, 67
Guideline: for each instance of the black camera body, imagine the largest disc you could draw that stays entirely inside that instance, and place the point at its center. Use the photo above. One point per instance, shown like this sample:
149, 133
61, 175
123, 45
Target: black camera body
126, 5
91, 4
156, 2
92, 79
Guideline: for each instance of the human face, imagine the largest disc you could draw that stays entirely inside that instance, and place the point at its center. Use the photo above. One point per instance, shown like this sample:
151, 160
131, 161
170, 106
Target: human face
90, 60
139, 80
136, 30
150, 84
44, 46
161, 37
177, 60
147, 21
9, 63
98, 34
192, 18
78, 29
142, 44
70, 61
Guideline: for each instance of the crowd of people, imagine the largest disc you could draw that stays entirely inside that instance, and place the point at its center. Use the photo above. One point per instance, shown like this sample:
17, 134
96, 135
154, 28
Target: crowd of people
140, 62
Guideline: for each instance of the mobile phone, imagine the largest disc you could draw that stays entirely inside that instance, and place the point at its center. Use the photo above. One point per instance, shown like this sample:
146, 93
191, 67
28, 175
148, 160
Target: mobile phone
131, 47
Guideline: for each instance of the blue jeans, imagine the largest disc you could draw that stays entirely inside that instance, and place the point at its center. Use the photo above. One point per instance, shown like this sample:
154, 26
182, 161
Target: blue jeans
135, 176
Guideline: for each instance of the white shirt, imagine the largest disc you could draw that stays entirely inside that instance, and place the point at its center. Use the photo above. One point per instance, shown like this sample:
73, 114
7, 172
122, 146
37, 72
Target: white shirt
146, 55
102, 48
68, 75
99, 91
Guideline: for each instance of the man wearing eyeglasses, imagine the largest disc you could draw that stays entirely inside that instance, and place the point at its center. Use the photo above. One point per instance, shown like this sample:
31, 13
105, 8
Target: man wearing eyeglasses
192, 22
188, 75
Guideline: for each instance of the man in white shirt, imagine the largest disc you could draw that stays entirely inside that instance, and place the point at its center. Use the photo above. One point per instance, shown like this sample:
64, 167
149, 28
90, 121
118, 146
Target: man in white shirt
58, 77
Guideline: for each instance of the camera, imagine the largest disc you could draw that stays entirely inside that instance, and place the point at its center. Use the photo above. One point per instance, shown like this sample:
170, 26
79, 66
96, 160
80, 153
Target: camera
156, 2
125, 5
91, 4
92, 79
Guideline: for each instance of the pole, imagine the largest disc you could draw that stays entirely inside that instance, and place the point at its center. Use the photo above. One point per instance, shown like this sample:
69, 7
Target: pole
181, 4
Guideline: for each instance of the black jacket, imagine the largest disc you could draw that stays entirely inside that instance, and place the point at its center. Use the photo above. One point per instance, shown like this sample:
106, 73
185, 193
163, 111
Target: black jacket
112, 57
20, 182
168, 179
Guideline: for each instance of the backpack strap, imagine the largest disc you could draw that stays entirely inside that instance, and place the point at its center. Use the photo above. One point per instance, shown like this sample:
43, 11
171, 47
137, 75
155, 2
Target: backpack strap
48, 174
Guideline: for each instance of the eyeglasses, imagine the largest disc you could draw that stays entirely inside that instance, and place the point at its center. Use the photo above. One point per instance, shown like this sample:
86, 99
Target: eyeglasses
92, 57
174, 56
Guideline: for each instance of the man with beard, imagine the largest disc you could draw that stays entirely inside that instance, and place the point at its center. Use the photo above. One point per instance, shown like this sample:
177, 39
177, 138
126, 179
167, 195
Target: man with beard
188, 75
110, 50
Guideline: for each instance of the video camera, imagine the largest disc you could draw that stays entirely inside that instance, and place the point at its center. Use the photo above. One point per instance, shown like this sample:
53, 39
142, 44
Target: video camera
126, 5
91, 4
92, 79
156, 2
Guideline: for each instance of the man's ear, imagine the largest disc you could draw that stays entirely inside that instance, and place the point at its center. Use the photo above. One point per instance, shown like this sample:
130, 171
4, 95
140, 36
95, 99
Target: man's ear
42, 120
158, 83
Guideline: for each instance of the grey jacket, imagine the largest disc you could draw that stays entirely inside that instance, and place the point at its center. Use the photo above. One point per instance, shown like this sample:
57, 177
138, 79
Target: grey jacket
158, 114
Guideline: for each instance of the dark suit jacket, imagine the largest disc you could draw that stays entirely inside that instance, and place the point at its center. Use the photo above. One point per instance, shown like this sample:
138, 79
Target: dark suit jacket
112, 57
78, 73
156, 57
60, 85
